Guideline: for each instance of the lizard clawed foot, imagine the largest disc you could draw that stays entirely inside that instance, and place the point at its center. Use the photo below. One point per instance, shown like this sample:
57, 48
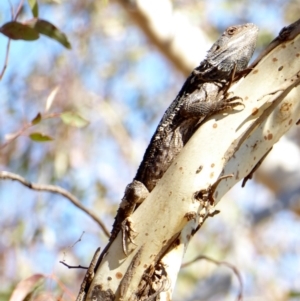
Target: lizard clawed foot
229, 103
127, 234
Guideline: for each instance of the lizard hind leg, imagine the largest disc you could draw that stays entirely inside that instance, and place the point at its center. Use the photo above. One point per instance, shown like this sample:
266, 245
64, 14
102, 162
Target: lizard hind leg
128, 234
135, 194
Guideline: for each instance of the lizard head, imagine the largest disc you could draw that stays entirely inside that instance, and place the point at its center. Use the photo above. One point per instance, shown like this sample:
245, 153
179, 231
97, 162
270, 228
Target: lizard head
232, 50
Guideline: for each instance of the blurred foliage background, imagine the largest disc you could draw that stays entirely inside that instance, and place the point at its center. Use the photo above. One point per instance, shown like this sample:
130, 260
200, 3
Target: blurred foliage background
128, 61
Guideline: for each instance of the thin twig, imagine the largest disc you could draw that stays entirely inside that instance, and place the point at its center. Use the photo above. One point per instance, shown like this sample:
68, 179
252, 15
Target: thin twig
55, 189
8, 43
217, 262
6, 60
18, 10
25, 127
73, 266
70, 247
16, 134
13, 18
78, 240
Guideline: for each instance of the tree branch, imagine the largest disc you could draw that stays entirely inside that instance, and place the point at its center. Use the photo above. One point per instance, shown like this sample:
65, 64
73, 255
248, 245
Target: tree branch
5, 175
183, 198
170, 32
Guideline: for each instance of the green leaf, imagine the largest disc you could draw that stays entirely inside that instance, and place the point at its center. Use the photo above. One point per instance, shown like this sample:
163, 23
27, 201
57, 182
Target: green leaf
39, 137
18, 31
48, 29
34, 7
294, 294
74, 119
37, 119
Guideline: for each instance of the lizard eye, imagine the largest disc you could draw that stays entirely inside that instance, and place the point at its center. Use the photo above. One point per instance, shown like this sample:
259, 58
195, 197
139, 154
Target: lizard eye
231, 30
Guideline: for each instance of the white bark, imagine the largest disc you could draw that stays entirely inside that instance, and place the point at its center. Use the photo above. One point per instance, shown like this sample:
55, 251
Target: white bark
230, 143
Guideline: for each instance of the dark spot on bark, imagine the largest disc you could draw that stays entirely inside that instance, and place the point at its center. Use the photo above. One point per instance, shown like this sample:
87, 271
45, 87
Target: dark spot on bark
119, 275
199, 169
285, 107
254, 111
99, 295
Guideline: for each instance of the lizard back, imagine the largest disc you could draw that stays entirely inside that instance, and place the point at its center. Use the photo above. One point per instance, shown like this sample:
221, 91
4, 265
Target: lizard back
230, 53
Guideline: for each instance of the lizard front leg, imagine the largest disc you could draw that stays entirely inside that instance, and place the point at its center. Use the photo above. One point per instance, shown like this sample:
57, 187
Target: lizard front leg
197, 106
